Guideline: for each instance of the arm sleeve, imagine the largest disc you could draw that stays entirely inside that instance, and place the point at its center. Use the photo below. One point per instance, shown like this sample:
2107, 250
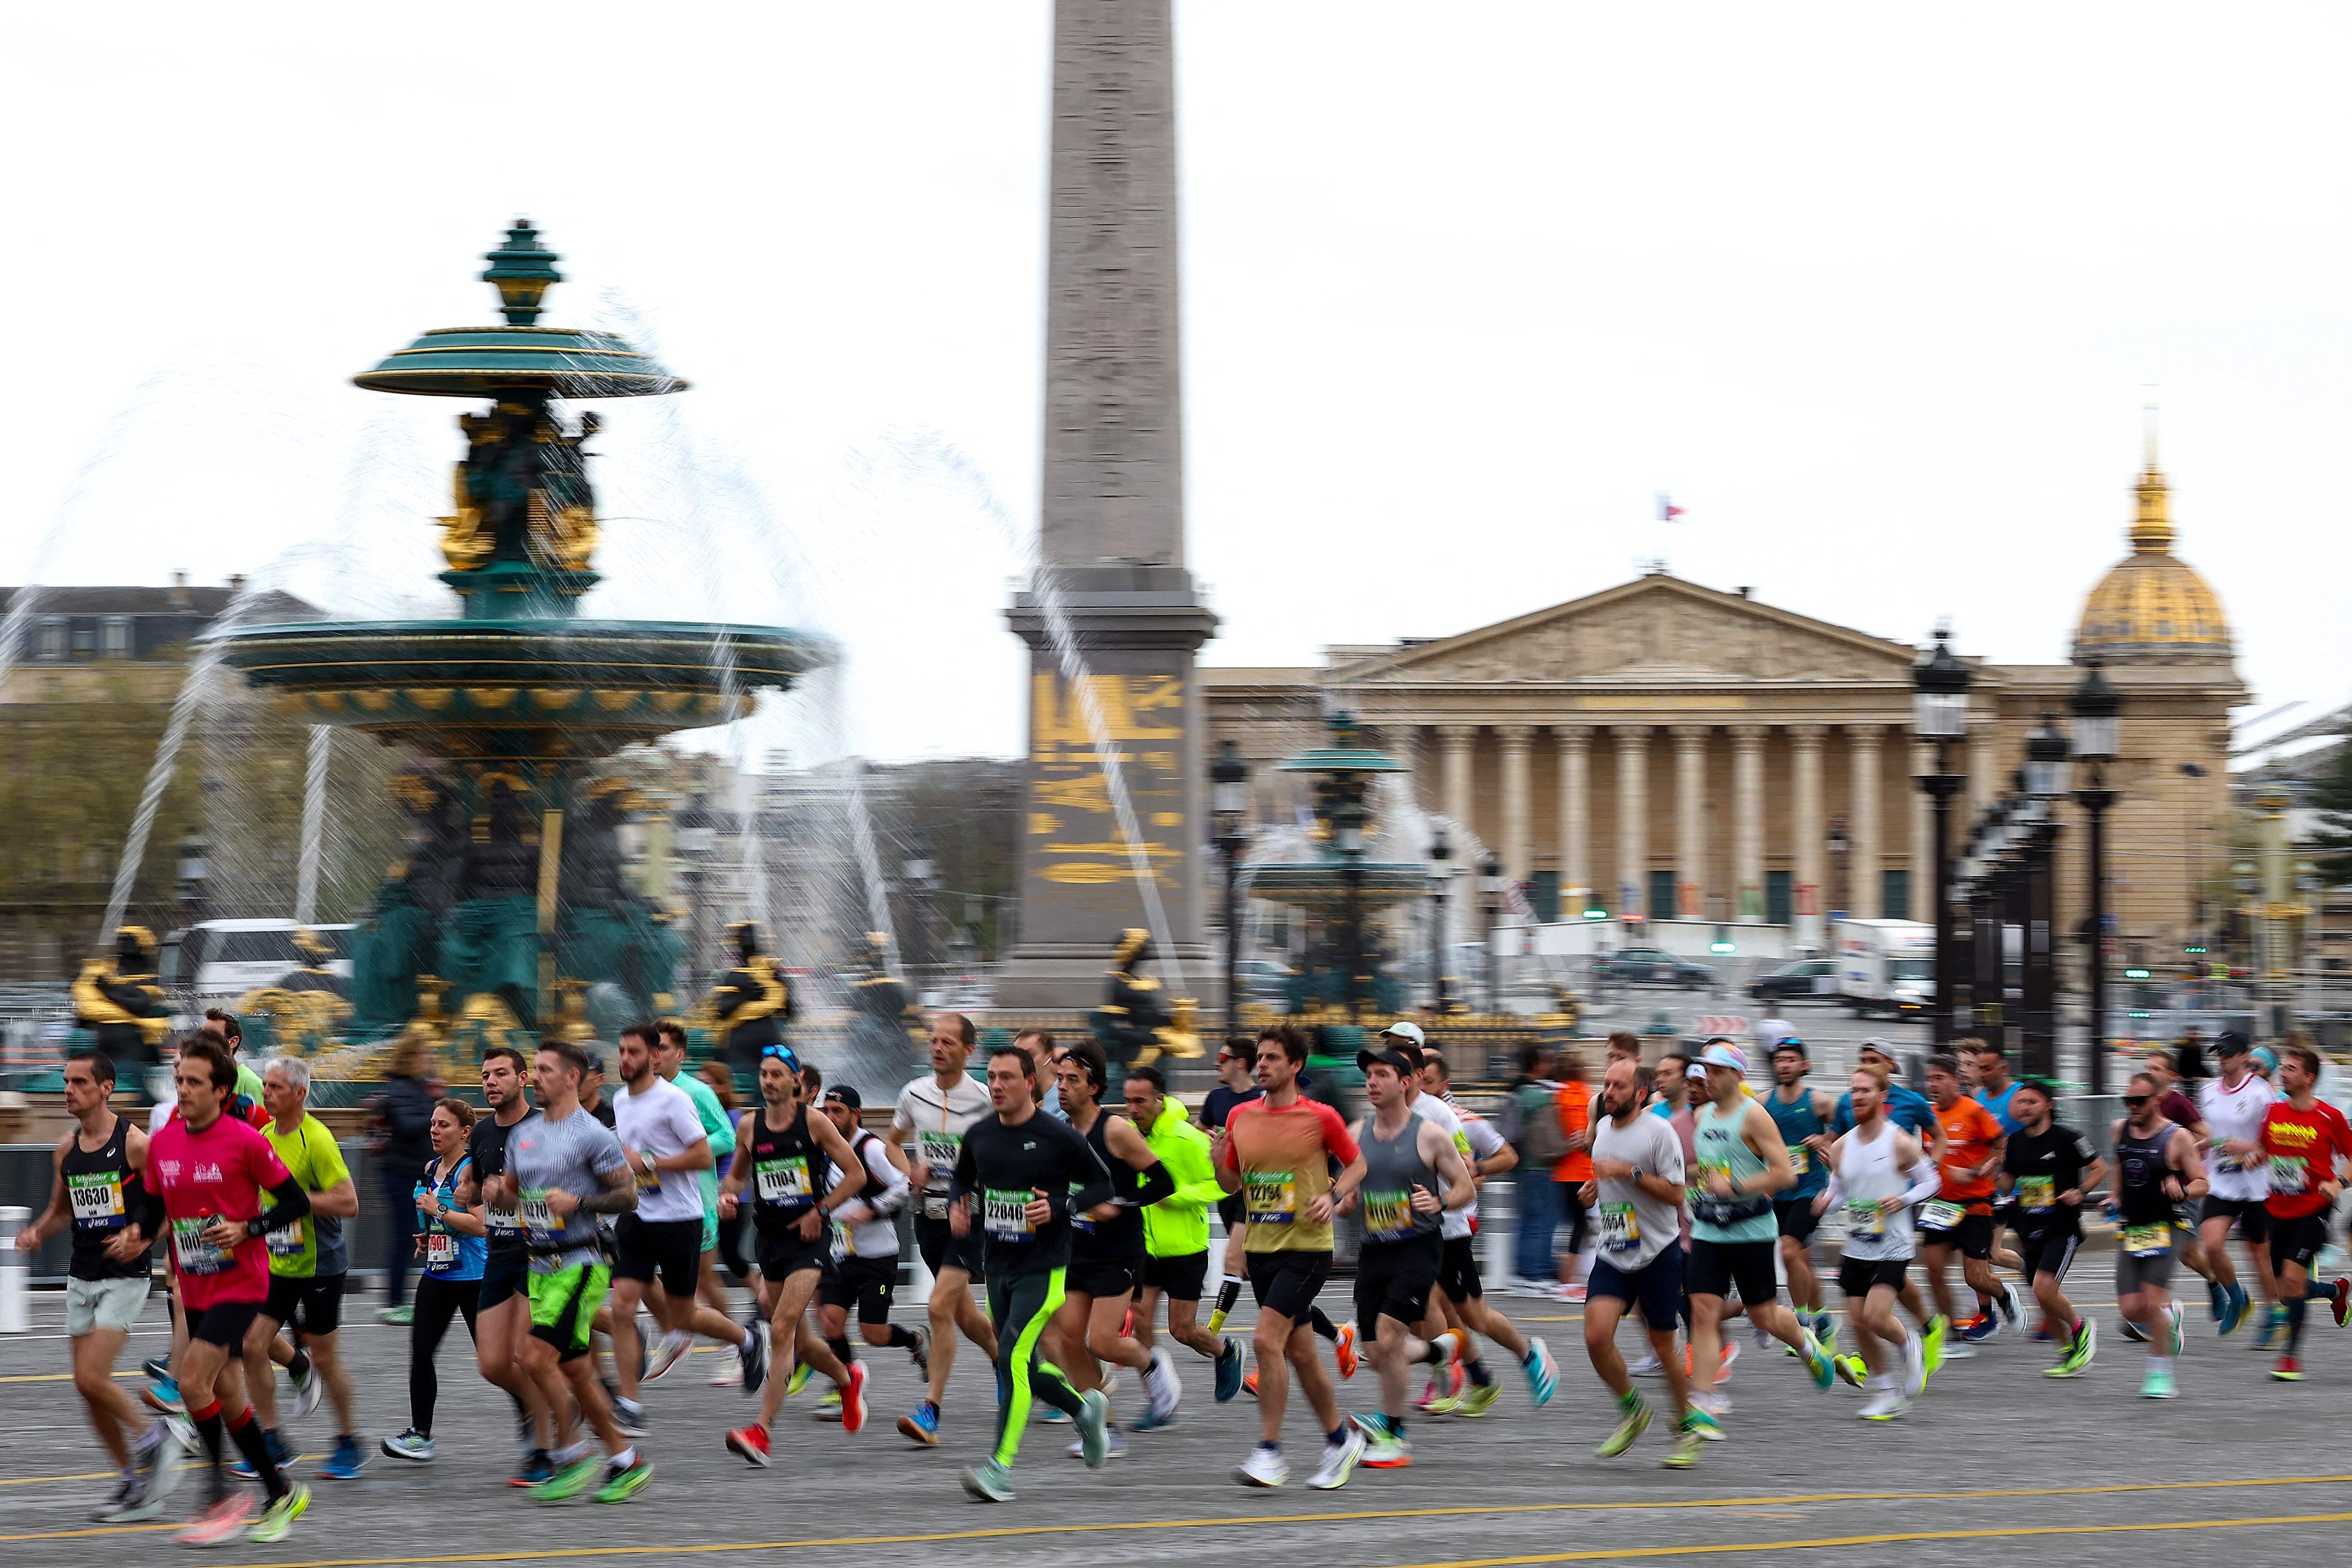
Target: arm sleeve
1926, 1180
1152, 1183
1336, 1136
292, 1204
148, 1215
887, 1186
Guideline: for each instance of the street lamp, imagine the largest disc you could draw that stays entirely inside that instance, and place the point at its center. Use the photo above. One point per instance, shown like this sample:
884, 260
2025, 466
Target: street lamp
1348, 819
1440, 874
1491, 879
1940, 716
1228, 802
698, 843
194, 870
2045, 780
2097, 708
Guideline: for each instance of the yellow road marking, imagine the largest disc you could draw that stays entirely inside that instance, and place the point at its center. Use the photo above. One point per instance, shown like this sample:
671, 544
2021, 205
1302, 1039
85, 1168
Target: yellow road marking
545, 1549
80, 1476
59, 1376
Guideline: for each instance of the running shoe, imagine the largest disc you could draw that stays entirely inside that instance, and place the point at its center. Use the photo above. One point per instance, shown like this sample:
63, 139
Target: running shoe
159, 1458
2339, 1298
1762, 1335
1852, 1370
1977, 1330
1229, 1369
1885, 1405
1343, 1349
1690, 1438
751, 1443
162, 1395
730, 1375
2158, 1384
182, 1431
536, 1467
1569, 1292
1388, 1451
623, 1482
1722, 1364
2177, 1326
828, 1408
279, 1516
1716, 1406
2131, 1331
1266, 1467
398, 1316
798, 1381
752, 1359
2217, 1298
280, 1455
1914, 1367
1701, 1424
1931, 1349
1629, 1427
2288, 1370
308, 1388
1648, 1366
674, 1344
1093, 1421
2273, 1332
2234, 1313
410, 1445
922, 1425
1476, 1400
1114, 1447
126, 1496
158, 1367
1543, 1373
629, 1416
347, 1460
919, 1353
1958, 1349
2077, 1359
2043, 1334
988, 1482
1052, 1418
2011, 1306
1822, 1365
1166, 1389
567, 1481
1340, 1459
221, 1521
1444, 1390
853, 1399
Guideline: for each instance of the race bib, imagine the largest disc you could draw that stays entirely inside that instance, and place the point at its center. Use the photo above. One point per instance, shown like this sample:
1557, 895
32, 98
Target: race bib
96, 1200
2037, 1194
935, 1206
286, 1241
785, 1182
440, 1249
192, 1251
2148, 1240
938, 1153
501, 1222
1006, 1216
1801, 1159
1273, 1197
1864, 1219
1077, 1220
536, 1216
1621, 1227
2227, 1164
647, 1181
2287, 1175
1388, 1216
1940, 1215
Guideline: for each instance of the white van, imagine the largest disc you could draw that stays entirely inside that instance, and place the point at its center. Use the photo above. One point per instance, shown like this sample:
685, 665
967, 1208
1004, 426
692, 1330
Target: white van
1887, 966
218, 960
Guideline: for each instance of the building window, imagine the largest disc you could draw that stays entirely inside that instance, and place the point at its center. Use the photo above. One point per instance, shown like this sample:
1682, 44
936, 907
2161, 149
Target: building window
84, 639
118, 636
1779, 898
53, 637
1547, 895
1894, 893
1661, 896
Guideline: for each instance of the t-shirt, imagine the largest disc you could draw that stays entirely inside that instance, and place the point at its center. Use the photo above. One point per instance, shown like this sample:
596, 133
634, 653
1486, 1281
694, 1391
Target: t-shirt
1574, 1103
1455, 1223
486, 1145
2179, 1109
307, 1248
660, 1121
571, 1155
1907, 1107
1004, 1168
2236, 1115
1217, 1106
225, 1172
1282, 1154
2045, 1164
2303, 1146
249, 1082
1631, 1226
1970, 1133
937, 1119
1998, 1105
716, 1126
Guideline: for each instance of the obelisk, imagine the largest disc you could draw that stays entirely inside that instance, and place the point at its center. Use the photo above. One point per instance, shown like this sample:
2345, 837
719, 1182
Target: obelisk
1112, 529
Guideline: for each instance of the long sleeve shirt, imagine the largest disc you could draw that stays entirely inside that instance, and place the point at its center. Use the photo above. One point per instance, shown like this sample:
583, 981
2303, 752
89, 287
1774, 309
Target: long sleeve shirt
1002, 1168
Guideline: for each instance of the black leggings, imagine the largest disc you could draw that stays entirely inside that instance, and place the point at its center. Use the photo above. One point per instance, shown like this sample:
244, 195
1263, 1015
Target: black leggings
1572, 1206
1020, 1307
437, 1301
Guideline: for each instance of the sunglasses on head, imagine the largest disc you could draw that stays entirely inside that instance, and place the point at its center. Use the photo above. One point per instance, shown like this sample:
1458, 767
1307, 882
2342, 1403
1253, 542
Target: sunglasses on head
780, 1051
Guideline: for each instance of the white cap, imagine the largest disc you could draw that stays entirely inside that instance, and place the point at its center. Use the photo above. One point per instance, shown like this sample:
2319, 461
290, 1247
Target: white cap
1406, 1029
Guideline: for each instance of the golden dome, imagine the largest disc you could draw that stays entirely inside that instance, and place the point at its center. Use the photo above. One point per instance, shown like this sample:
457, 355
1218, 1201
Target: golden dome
2152, 605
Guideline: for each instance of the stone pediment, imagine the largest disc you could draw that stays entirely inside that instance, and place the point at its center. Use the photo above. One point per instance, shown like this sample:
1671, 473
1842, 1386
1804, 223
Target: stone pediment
1655, 630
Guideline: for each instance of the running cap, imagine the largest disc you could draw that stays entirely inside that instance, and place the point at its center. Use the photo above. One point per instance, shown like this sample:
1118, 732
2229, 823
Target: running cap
1405, 1063
846, 1096
1790, 1044
1884, 1051
1722, 1053
1407, 1030
2229, 1043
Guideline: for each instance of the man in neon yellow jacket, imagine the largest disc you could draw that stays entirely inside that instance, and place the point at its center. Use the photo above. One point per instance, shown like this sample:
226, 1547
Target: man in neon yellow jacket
1176, 1230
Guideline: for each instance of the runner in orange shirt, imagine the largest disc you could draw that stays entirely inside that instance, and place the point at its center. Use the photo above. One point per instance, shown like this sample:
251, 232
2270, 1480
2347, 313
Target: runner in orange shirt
1572, 1171
1961, 1215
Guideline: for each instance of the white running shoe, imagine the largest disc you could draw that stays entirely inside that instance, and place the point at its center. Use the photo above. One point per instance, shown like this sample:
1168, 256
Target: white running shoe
1914, 1368
1718, 1404
1763, 1337
730, 1375
1648, 1366
1338, 1460
674, 1344
1264, 1467
1165, 1388
1959, 1350
1885, 1405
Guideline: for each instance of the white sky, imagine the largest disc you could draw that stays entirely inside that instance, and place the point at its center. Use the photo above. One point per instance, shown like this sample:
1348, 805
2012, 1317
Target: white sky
1876, 292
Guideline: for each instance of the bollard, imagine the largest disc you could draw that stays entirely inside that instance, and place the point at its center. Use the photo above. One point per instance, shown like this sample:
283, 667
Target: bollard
16, 1270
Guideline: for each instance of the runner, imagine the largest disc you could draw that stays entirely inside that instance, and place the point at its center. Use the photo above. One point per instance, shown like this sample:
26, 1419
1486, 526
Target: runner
97, 1188
1019, 1175
1996, 1091
2175, 1102
1960, 1216
1176, 1229
1236, 1059
2303, 1137
1741, 1163
1879, 1172
207, 1173
2049, 1167
662, 1135
938, 1111
1108, 1247
2235, 1105
1909, 1111
1636, 1198
1803, 1115
718, 1127
1277, 1152
865, 1272
2156, 1171
1574, 1103
450, 1241
777, 1151
1409, 1173
1672, 1082
502, 1314
562, 1170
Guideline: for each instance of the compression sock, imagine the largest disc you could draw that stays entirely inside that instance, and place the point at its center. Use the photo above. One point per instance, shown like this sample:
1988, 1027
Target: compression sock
1229, 1290
840, 1348
207, 1423
1321, 1324
1476, 1367
1441, 1349
901, 1338
2294, 1315
246, 1433
300, 1367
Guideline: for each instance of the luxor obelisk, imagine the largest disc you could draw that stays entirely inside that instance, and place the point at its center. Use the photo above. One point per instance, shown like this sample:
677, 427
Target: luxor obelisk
1112, 532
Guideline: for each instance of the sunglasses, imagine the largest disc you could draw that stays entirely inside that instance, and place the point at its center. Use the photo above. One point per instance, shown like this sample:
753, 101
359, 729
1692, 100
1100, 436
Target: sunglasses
2137, 1099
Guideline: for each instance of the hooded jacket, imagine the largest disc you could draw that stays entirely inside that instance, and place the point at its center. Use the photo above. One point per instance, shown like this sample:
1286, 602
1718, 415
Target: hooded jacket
1177, 1224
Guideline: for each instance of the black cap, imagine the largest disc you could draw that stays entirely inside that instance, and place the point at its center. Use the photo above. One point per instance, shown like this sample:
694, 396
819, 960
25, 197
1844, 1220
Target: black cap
2229, 1043
1790, 1043
1394, 1055
846, 1095
595, 1060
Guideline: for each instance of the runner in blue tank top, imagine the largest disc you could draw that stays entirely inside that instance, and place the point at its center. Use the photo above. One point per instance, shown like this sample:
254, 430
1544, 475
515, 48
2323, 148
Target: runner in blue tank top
1803, 1115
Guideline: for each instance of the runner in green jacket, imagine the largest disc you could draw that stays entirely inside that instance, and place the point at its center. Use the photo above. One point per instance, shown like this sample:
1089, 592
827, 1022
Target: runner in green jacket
1176, 1229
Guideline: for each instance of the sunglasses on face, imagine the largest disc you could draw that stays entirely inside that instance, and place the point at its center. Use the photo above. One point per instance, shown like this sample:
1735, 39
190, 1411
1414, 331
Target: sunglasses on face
2137, 1099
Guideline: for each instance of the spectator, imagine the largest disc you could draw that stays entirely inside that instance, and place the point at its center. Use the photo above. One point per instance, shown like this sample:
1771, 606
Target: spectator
1572, 1104
1529, 1125
403, 1146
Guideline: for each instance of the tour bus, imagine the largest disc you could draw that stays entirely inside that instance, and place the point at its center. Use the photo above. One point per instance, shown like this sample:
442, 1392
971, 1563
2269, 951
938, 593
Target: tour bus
1887, 966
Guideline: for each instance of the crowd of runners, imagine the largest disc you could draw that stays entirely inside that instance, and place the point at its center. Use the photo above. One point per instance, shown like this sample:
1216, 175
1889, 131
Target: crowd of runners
551, 1221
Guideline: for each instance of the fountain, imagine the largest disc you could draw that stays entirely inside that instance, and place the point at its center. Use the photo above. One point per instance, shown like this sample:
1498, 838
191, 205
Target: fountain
509, 914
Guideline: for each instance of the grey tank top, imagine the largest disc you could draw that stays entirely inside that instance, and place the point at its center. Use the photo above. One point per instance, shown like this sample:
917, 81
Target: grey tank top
1391, 1170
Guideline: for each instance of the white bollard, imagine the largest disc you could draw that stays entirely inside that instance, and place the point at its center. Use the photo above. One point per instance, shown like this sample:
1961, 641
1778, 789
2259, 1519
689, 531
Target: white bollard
15, 1271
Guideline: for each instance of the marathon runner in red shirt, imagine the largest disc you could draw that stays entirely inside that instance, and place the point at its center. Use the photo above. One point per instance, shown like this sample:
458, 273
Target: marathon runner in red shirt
205, 1176
2302, 1137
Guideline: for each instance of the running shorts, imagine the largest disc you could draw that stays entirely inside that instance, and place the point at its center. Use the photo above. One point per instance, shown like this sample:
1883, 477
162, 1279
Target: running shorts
563, 1305
2252, 1216
865, 1283
1104, 1278
943, 1250
783, 1255
224, 1323
1655, 1289
502, 1283
2050, 1252
1796, 1217
2297, 1240
670, 1248
1180, 1278
95, 1304
1717, 1266
1458, 1270
1287, 1282
1394, 1279
1861, 1275
2134, 1271
314, 1305
1972, 1234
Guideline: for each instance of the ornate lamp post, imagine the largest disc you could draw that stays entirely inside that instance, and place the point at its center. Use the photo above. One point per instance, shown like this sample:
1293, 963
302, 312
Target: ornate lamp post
1491, 880
1940, 716
2097, 708
1347, 820
1440, 874
2047, 775
1228, 802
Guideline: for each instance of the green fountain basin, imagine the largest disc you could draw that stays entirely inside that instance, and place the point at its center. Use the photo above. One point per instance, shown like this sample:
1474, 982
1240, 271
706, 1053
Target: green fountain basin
1320, 886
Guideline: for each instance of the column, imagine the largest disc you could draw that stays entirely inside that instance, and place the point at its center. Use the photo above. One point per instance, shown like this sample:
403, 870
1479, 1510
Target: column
1575, 817
1632, 817
1690, 821
1862, 842
1806, 824
1747, 819
1457, 739
1922, 836
1518, 806
1984, 767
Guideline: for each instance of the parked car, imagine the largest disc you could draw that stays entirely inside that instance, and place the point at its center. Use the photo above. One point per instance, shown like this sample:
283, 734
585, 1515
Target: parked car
1652, 966
1804, 978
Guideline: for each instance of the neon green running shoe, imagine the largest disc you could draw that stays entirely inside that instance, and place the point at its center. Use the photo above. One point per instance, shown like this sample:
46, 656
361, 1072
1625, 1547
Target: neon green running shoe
2180, 1330
2077, 1359
1701, 1425
279, 1517
1629, 1430
1689, 1441
566, 1483
798, 1381
1478, 1398
1852, 1371
2159, 1383
1931, 1345
623, 1483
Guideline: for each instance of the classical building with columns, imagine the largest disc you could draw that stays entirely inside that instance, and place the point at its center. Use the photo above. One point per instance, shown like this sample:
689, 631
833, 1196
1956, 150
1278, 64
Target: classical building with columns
1675, 752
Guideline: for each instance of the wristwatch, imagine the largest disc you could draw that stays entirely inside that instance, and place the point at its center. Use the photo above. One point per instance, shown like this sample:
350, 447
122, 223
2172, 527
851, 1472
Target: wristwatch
254, 1227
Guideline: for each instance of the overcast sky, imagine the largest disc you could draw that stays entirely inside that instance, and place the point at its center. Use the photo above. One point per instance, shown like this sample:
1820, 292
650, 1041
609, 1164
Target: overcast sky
1876, 292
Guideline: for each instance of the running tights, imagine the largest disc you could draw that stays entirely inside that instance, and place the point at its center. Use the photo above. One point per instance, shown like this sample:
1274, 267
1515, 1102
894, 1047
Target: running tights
1020, 1307
437, 1301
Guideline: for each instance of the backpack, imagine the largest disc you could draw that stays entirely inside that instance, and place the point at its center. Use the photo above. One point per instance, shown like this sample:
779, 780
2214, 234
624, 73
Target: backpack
1541, 1143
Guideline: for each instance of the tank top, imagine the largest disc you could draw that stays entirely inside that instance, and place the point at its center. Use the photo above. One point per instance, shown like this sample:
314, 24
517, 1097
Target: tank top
1122, 1235
784, 1166
2140, 1170
1393, 1168
1797, 1121
1716, 1143
1868, 1173
99, 1191
448, 1254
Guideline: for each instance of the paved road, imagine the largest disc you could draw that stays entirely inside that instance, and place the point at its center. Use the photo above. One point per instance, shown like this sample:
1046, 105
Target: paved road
2003, 1465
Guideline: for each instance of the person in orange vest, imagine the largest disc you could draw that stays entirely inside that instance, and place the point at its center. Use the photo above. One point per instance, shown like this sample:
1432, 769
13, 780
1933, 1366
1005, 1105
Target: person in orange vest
1574, 1105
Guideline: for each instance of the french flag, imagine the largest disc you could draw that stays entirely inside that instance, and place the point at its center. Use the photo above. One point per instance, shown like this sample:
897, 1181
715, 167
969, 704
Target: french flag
1667, 510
